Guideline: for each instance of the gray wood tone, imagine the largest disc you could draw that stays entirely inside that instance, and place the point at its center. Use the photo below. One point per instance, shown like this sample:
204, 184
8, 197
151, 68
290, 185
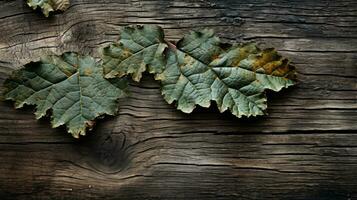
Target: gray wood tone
306, 148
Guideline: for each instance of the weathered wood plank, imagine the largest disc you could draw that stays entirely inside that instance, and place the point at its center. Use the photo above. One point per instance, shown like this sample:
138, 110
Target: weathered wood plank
306, 148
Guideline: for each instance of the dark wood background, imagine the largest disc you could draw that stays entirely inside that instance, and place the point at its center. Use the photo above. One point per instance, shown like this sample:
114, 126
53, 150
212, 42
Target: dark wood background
306, 148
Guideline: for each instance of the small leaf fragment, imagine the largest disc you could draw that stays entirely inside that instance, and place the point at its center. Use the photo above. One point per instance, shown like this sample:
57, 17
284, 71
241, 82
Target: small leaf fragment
202, 69
48, 6
139, 48
71, 86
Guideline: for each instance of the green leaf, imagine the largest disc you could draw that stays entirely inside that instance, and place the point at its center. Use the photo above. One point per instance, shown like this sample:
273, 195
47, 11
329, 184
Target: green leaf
48, 6
139, 48
72, 86
201, 69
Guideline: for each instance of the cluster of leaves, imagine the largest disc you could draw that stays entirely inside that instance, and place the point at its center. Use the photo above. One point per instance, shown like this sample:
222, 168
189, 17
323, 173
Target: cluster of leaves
197, 70
48, 6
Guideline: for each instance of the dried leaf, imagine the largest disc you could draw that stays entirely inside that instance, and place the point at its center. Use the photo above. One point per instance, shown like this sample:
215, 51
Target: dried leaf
202, 69
72, 86
139, 48
48, 6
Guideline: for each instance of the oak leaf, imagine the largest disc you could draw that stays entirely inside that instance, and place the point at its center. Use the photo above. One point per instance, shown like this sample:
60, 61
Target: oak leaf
71, 86
201, 69
48, 6
140, 48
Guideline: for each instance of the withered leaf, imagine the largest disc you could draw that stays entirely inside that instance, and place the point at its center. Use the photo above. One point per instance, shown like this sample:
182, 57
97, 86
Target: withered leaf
139, 48
48, 6
71, 86
201, 69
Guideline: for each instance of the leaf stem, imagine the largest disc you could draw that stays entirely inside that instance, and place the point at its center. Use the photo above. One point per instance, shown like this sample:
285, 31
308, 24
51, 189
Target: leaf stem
170, 45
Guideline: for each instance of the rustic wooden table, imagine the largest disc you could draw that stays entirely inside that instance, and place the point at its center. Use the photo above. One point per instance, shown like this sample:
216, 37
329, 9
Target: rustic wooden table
306, 148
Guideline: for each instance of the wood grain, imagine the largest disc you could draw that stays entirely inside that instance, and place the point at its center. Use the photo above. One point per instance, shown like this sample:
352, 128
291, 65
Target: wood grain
306, 148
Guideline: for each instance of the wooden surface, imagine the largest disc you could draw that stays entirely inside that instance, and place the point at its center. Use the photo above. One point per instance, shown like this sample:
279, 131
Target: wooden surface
306, 148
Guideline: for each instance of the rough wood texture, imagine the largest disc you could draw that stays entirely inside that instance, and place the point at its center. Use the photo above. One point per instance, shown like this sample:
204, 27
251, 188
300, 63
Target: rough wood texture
305, 149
